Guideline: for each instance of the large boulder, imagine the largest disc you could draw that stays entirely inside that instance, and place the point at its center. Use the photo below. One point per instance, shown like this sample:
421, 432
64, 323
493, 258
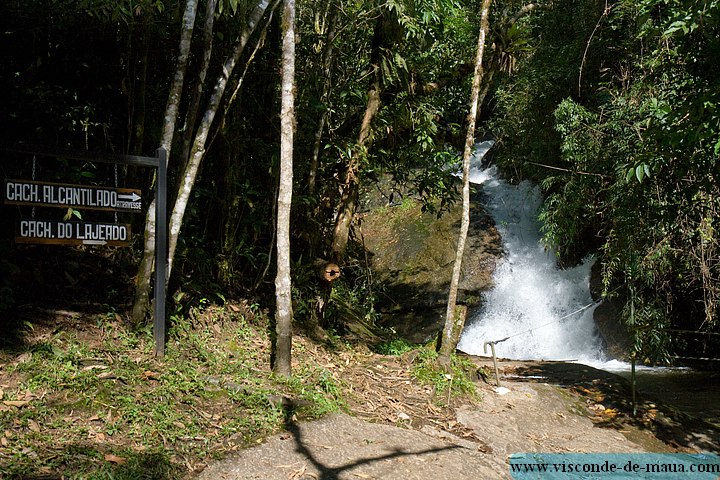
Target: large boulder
412, 256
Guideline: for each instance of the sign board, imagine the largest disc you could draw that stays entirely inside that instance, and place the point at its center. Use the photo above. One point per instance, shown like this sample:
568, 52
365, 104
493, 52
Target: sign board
27, 192
72, 233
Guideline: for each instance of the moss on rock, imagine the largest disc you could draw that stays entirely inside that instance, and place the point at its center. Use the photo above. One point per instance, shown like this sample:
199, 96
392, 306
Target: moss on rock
412, 254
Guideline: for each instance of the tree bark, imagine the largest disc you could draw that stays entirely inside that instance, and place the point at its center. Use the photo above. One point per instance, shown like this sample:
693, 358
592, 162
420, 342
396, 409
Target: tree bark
454, 319
349, 197
199, 86
187, 179
141, 301
137, 84
383, 38
283, 285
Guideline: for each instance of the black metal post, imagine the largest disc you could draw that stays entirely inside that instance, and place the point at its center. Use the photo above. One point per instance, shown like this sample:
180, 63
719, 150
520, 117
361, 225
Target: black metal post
160, 252
161, 224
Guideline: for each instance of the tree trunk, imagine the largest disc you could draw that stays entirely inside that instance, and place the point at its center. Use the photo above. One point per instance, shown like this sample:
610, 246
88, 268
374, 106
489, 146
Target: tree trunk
187, 179
283, 298
349, 198
231, 209
199, 86
327, 85
137, 79
454, 319
141, 302
350, 188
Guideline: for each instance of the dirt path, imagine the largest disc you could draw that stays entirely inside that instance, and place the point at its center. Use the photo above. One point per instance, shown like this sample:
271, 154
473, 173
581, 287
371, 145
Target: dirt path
344, 447
473, 443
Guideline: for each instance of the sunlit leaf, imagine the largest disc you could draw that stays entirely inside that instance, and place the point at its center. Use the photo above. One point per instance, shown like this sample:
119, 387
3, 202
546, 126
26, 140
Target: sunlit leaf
639, 173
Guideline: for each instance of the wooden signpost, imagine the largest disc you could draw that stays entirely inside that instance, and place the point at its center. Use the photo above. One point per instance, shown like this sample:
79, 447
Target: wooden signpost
73, 233
43, 194
111, 199
28, 192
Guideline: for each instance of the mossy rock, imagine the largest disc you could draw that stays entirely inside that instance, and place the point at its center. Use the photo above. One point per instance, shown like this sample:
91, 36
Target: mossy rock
412, 257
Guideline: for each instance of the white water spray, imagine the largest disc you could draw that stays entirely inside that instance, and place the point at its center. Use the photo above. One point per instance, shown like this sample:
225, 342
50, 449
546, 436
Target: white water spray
540, 307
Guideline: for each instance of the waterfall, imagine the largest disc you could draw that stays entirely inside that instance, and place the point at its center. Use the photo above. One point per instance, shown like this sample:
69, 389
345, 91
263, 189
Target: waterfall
533, 301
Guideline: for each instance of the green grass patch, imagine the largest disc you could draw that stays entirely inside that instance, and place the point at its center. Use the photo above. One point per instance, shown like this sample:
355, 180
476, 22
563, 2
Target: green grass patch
397, 346
455, 382
102, 406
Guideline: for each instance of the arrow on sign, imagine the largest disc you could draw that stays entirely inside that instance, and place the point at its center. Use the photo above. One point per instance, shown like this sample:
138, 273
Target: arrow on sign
133, 197
94, 242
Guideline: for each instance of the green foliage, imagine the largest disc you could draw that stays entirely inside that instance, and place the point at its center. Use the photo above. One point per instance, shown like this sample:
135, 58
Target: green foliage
568, 212
421, 19
648, 323
633, 154
320, 388
455, 382
150, 465
396, 346
352, 299
416, 47
436, 185
57, 92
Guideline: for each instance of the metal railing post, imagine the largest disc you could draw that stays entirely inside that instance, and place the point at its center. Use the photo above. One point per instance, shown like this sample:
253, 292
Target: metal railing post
492, 349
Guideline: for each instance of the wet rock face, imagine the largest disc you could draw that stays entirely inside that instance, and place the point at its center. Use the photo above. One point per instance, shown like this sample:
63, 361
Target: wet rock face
412, 256
618, 343
607, 318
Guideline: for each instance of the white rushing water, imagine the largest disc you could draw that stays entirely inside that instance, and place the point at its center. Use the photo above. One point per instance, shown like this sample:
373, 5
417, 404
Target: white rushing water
533, 301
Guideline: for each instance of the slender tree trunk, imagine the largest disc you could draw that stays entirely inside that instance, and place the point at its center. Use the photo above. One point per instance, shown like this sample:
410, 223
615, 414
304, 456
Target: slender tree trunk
283, 299
187, 179
327, 85
232, 208
349, 197
454, 317
199, 86
487, 83
350, 188
141, 302
135, 83
140, 91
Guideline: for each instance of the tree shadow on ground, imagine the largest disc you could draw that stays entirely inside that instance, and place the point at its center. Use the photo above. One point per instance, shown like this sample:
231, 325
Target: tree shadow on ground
326, 472
611, 400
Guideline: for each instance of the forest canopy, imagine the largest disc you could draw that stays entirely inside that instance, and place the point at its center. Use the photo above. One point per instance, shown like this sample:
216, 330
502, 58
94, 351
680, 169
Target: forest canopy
611, 106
